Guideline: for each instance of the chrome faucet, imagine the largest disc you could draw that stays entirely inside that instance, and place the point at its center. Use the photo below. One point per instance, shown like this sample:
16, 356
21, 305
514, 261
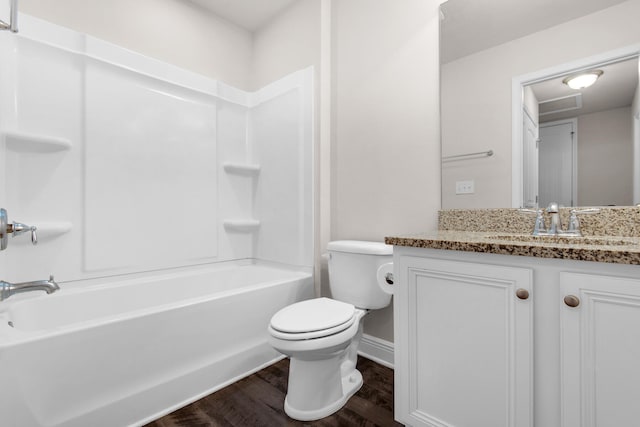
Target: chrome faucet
556, 224
555, 227
573, 228
7, 289
15, 228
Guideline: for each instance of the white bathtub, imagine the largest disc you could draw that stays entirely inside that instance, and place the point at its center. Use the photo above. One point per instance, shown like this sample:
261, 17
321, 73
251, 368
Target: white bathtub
125, 353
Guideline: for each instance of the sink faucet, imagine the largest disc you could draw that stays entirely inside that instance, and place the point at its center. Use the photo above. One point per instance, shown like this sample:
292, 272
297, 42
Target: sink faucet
556, 224
7, 289
555, 227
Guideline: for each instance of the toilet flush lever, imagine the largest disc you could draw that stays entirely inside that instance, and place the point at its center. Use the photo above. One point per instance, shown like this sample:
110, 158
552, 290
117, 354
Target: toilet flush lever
14, 228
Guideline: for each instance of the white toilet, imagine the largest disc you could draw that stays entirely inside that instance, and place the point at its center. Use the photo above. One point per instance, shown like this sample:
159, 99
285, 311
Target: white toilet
321, 335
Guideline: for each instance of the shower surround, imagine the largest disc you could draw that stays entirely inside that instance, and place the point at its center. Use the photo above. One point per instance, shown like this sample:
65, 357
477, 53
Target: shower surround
134, 170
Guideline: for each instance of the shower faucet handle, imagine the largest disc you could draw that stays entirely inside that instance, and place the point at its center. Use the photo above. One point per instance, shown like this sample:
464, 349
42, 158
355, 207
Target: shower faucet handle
15, 228
18, 228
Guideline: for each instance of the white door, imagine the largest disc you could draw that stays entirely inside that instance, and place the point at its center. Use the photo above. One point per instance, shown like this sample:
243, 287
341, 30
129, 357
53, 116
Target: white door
530, 162
557, 163
463, 357
600, 348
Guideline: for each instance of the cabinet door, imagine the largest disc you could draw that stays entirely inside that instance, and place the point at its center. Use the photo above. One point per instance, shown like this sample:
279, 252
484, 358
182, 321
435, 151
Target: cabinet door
600, 342
463, 344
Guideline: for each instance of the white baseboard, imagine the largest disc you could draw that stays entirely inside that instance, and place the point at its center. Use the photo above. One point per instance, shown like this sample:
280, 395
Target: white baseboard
376, 349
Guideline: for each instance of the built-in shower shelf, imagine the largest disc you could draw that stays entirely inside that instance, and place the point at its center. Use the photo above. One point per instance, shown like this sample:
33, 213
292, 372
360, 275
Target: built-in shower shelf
46, 230
245, 225
242, 168
34, 143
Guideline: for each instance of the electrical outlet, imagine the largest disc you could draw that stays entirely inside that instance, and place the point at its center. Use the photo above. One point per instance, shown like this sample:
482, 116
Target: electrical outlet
465, 187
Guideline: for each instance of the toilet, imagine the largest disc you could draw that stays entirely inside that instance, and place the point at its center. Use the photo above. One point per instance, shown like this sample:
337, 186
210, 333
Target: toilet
321, 335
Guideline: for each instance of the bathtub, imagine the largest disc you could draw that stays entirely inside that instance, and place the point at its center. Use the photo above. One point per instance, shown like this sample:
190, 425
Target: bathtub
129, 351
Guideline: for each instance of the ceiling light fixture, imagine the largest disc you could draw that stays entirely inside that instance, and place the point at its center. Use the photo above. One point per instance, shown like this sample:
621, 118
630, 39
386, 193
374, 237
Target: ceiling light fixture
582, 80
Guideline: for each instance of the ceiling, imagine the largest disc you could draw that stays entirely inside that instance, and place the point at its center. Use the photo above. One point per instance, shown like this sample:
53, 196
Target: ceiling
614, 89
248, 14
469, 26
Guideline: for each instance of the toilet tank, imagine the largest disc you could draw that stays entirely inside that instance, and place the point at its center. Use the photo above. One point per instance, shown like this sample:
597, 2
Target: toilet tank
353, 266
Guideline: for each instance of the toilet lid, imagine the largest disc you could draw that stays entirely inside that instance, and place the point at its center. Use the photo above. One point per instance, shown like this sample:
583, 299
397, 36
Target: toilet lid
313, 315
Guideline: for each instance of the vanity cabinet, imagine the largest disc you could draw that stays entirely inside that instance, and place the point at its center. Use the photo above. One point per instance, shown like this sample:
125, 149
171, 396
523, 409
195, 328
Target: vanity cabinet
600, 351
466, 335
486, 340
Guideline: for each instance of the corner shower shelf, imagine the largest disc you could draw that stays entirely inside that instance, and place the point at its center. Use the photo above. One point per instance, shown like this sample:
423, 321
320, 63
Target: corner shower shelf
242, 168
244, 225
33, 143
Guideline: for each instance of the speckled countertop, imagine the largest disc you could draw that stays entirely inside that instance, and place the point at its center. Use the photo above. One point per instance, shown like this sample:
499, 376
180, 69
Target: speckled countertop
611, 238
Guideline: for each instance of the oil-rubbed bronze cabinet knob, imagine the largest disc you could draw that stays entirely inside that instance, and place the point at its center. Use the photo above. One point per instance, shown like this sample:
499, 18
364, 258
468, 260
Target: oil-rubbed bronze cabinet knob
522, 293
572, 300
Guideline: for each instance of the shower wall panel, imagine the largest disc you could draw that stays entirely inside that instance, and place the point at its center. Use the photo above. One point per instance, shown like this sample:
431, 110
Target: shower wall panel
128, 165
41, 122
280, 128
234, 190
150, 174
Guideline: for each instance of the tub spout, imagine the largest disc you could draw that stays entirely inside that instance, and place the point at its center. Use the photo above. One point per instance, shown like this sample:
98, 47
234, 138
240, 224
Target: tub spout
7, 289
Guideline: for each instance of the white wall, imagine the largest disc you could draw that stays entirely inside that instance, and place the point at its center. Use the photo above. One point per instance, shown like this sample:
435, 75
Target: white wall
476, 106
290, 42
174, 31
605, 158
386, 150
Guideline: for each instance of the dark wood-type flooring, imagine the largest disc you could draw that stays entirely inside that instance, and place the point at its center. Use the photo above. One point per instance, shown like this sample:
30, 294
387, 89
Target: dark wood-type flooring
257, 401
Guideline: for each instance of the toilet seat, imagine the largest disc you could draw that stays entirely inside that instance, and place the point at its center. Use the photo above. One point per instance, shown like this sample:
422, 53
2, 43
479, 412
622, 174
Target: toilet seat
310, 319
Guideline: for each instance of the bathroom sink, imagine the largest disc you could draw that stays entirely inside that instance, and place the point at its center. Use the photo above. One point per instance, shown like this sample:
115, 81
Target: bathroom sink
567, 239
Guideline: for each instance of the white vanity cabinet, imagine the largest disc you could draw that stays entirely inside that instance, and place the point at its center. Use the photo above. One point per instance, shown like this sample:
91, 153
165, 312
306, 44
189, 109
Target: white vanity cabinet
600, 351
485, 340
463, 342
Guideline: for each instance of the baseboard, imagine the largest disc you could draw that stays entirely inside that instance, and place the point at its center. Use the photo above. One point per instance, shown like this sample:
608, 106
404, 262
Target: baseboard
376, 349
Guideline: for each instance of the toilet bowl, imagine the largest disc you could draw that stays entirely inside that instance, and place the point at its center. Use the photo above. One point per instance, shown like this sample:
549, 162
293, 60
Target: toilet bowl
322, 370
321, 336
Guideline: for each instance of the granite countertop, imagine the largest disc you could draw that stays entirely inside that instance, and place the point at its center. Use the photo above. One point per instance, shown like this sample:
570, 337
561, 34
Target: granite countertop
613, 239
599, 249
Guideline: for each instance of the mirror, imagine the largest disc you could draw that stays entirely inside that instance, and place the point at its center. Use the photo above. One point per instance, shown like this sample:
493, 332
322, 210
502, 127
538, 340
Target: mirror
578, 144
500, 63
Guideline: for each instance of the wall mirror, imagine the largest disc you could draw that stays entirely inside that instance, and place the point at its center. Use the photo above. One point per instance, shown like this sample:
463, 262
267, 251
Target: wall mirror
502, 69
576, 146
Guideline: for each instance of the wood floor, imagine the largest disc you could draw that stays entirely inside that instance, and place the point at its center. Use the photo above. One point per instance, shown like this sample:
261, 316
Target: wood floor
257, 401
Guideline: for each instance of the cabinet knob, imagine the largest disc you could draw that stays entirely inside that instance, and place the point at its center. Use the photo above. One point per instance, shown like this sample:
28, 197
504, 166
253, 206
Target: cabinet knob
572, 300
522, 293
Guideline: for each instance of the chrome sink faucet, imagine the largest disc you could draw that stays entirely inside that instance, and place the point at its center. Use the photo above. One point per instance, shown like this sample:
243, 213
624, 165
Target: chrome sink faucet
556, 223
7, 289
573, 229
555, 227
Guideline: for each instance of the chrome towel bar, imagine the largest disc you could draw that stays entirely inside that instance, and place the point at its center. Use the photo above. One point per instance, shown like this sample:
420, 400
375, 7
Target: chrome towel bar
488, 153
